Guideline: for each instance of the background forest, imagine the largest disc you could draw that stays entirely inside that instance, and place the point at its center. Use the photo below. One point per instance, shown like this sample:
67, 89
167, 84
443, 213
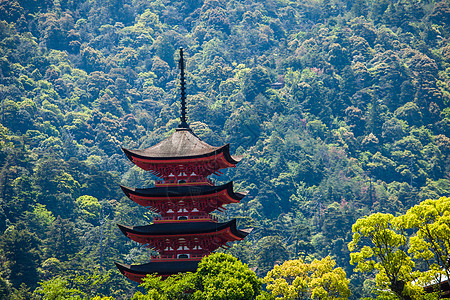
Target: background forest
341, 108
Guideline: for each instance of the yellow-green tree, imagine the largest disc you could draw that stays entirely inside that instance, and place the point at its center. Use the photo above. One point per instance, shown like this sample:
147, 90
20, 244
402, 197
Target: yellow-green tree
295, 279
431, 242
380, 244
89, 208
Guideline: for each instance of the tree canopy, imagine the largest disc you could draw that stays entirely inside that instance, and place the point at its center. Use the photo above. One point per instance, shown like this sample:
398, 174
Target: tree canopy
219, 276
295, 279
383, 243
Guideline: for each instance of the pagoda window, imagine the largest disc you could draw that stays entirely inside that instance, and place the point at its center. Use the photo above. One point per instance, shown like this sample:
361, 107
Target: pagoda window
170, 211
181, 181
183, 256
195, 210
183, 218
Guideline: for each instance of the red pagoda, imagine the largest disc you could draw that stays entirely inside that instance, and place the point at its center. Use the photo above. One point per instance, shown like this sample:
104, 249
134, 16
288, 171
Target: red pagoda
183, 197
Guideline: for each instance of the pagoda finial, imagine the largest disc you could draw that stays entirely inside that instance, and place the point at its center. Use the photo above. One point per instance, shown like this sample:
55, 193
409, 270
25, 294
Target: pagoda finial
181, 65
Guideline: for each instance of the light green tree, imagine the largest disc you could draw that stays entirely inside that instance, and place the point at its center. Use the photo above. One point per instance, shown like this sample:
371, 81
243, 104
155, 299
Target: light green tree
56, 289
90, 208
219, 276
295, 279
222, 276
383, 244
380, 244
431, 242
180, 286
81, 287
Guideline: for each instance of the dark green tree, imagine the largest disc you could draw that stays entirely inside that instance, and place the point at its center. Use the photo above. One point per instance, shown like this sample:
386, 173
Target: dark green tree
21, 252
63, 241
256, 81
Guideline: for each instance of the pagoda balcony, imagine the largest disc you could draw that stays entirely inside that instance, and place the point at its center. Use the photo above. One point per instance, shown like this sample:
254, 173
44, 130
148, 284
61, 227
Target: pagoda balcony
177, 181
166, 257
199, 218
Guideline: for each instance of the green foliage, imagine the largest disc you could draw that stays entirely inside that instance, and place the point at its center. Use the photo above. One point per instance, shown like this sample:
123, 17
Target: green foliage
386, 253
382, 242
295, 279
57, 289
219, 276
5, 290
256, 81
271, 251
20, 250
174, 287
431, 243
85, 286
90, 208
340, 109
62, 242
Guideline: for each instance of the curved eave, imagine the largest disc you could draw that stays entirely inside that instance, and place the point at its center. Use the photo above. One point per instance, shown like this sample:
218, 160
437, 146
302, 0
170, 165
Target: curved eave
176, 230
139, 156
137, 272
175, 193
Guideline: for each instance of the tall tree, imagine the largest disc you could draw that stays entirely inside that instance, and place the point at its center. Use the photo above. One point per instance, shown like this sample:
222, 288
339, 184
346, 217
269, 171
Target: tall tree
381, 243
431, 243
378, 245
63, 241
21, 254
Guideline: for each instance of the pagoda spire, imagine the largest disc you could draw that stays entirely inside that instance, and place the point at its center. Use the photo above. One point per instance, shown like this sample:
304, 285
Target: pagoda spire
181, 65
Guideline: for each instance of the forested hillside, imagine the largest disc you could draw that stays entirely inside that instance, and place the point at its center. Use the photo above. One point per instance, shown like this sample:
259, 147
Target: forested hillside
340, 107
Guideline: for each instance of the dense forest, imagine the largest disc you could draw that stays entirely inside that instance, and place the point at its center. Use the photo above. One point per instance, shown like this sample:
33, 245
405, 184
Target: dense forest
340, 107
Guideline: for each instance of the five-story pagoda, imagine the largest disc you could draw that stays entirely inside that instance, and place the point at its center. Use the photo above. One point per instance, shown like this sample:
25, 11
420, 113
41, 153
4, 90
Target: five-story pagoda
184, 197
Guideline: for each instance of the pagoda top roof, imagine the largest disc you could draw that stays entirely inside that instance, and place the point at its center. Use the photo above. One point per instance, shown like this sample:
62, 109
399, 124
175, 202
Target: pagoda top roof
182, 144
162, 268
184, 190
183, 228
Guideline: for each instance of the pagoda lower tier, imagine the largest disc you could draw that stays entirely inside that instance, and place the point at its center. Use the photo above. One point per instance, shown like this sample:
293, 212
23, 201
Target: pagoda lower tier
161, 268
184, 201
185, 239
